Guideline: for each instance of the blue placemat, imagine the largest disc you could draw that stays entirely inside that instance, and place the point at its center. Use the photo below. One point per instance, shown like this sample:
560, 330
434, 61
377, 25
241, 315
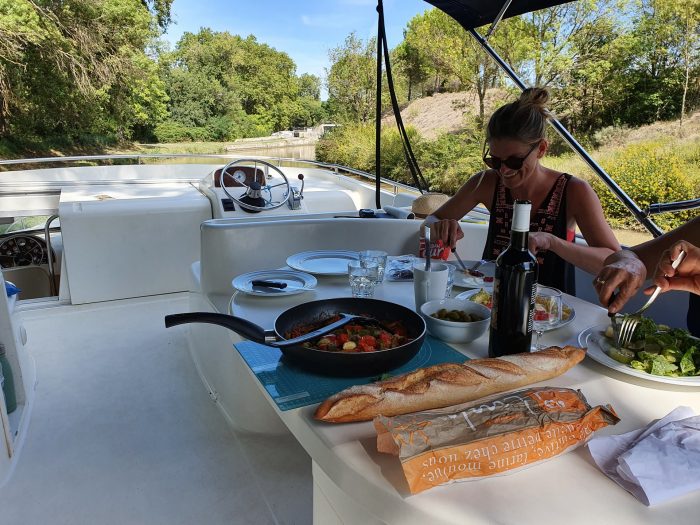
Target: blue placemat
292, 387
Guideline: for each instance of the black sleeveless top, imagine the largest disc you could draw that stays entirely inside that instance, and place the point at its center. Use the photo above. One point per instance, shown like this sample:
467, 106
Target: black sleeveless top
550, 217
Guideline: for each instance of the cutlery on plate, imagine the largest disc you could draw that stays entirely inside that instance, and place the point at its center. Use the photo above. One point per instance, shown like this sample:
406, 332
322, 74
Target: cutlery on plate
460, 261
629, 322
269, 284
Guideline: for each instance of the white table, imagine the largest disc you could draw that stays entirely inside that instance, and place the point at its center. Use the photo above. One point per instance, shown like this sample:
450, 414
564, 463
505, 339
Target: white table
356, 484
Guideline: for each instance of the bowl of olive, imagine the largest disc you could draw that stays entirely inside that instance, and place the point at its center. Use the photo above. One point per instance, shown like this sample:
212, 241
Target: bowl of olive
456, 320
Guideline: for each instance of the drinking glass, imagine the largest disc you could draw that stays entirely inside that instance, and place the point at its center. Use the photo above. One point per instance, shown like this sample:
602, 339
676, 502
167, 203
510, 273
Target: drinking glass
450, 280
377, 256
547, 312
363, 277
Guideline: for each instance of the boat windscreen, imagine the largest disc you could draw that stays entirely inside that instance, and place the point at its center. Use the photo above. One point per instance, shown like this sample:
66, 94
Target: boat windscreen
476, 13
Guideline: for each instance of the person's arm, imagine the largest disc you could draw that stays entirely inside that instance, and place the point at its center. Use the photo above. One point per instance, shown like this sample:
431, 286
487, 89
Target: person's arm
627, 270
444, 223
649, 251
588, 213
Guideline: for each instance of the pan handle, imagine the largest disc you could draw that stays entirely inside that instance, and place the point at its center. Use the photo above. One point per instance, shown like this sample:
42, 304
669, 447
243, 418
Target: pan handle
240, 326
250, 330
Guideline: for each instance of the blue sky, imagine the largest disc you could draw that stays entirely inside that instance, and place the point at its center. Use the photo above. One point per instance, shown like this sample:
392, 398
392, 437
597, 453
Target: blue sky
304, 29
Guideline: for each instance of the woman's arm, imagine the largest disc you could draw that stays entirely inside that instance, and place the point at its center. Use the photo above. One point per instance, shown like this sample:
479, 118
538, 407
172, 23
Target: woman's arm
626, 270
650, 251
588, 213
444, 223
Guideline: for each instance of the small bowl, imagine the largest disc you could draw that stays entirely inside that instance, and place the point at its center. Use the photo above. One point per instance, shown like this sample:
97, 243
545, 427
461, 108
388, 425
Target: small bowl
456, 331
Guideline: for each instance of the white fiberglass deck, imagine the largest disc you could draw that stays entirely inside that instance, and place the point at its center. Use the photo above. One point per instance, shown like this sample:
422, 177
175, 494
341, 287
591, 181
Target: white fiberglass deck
123, 432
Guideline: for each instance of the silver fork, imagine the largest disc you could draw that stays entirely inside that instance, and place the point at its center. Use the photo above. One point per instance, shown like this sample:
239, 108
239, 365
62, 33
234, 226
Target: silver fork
629, 322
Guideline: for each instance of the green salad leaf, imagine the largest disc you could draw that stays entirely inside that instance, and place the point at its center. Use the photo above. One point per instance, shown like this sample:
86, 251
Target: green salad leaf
659, 350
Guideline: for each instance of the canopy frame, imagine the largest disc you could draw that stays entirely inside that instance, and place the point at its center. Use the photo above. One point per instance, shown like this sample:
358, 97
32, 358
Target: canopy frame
471, 14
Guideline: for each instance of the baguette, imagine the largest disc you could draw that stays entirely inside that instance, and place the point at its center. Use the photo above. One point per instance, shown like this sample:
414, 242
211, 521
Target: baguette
446, 384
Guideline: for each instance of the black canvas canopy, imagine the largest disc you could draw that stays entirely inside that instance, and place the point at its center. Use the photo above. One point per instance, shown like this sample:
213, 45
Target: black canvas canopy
476, 13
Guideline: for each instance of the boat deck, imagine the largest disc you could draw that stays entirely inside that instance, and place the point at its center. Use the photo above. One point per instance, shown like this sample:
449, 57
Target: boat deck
122, 431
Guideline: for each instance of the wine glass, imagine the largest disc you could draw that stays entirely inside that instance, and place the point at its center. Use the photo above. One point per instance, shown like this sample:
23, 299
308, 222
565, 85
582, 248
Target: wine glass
547, 314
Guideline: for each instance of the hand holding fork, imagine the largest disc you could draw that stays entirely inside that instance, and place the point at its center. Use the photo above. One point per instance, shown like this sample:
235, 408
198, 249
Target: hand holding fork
629, 322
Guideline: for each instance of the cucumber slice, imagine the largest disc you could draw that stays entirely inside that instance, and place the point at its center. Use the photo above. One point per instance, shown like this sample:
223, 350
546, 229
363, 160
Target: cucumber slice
622, 355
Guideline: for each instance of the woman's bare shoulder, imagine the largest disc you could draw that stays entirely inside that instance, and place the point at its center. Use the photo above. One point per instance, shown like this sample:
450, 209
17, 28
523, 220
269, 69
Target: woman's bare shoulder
482, 183
579, 187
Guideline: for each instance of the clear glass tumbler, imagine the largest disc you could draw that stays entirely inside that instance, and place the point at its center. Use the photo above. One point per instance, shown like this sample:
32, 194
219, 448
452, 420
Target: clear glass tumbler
547, 314
363, 277
450, 280
378, 256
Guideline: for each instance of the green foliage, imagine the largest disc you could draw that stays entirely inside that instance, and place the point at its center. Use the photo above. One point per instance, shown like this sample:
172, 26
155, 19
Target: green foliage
234, 87
352, 80
171, 131
450, 160
446, 162
350, 145
77, 68
648, 175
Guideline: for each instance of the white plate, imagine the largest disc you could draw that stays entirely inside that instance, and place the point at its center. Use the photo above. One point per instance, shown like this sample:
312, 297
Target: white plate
469, 293
464, 280
594, 339
297, 282
323, 262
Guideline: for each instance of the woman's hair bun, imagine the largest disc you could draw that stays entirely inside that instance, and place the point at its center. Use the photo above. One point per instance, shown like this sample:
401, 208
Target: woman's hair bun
536, 96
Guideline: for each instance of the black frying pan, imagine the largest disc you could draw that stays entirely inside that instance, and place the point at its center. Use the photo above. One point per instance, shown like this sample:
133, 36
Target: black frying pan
321, 361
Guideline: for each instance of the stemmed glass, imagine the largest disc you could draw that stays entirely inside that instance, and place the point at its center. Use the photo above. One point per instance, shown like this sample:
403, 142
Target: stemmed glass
547, 314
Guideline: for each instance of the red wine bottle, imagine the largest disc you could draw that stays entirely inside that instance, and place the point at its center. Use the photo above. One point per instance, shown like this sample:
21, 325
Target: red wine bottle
514, 290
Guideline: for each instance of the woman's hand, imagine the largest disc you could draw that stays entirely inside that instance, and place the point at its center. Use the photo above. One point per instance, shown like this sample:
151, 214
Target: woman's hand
686, 277
623, 270
540, 242
447, 230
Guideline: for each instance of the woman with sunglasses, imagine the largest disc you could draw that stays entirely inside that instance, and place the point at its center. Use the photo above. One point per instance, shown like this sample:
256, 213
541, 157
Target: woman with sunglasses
515, 143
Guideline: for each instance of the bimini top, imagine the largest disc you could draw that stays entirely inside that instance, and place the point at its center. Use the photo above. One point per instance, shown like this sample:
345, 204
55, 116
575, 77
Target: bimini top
477, 13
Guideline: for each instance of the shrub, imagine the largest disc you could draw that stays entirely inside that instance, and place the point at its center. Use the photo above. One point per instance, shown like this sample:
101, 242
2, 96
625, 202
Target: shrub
648, 175
171, 131
448, 161
353, 145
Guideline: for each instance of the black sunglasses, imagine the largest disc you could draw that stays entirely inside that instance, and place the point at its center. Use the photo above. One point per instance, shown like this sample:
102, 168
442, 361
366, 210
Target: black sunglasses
514, 163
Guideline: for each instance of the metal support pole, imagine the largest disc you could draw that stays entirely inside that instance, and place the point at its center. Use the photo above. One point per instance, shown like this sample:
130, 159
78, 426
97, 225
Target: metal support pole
673, 206
378, 119
638, 213
495, 23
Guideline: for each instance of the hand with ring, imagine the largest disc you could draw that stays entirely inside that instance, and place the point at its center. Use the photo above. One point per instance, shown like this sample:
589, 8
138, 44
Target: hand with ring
622, 270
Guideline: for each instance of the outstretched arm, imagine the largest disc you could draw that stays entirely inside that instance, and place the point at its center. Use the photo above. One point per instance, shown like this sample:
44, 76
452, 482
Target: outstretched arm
627, 270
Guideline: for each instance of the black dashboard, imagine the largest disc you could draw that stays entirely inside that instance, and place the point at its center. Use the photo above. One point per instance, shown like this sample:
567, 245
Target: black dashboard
23, 250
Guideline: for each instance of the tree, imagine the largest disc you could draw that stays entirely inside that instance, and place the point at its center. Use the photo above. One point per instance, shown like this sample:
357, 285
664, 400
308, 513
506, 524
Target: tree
456, 57
351, 79
68, 67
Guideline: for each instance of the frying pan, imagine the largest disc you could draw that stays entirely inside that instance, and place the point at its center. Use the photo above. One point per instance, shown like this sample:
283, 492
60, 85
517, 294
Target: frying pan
322, 361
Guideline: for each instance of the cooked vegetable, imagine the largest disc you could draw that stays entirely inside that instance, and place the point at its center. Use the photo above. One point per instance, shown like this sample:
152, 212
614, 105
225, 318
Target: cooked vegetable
659, 350
365, 337
482, 297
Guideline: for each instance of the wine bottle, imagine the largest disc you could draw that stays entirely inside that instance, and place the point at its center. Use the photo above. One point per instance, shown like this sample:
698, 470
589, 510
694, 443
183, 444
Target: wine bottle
514, 290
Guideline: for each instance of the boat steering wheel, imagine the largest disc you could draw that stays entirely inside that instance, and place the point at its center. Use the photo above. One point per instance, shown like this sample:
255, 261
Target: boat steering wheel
252, 199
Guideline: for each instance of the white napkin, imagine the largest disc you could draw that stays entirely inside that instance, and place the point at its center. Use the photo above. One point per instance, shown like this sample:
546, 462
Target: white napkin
656, 463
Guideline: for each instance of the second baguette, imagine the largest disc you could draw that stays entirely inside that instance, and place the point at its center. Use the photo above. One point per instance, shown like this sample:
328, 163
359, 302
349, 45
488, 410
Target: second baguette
446, 384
